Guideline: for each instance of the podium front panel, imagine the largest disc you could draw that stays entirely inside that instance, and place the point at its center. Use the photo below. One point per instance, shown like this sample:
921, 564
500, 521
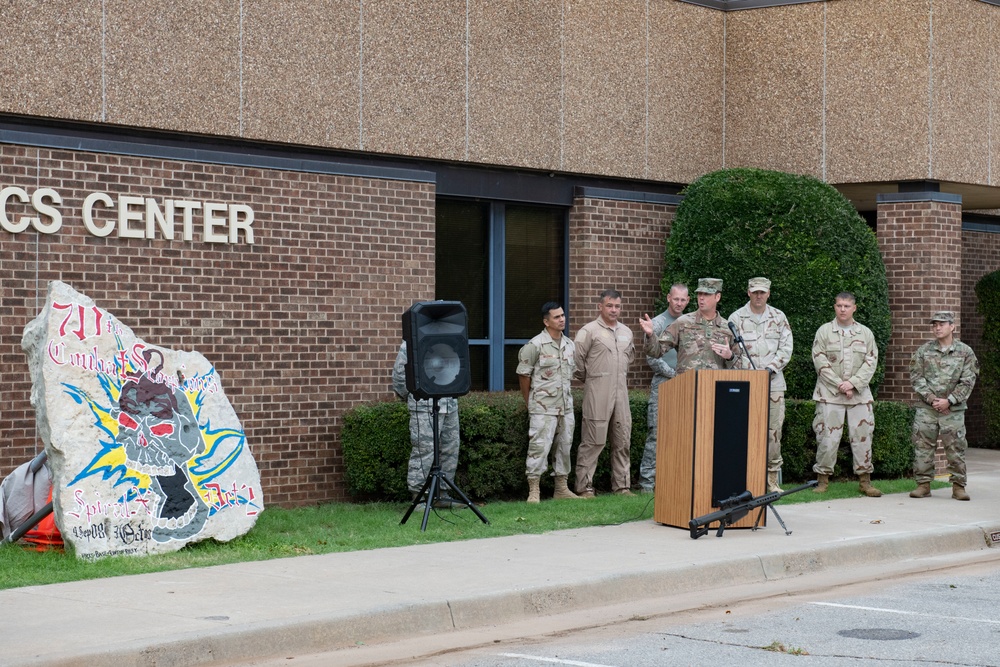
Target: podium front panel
712, 428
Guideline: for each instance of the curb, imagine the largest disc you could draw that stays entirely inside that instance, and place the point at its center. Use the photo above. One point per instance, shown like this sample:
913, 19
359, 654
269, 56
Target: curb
316, 633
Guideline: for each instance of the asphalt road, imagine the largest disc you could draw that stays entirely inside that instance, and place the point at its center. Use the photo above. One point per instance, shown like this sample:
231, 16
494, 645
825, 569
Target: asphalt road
944, 618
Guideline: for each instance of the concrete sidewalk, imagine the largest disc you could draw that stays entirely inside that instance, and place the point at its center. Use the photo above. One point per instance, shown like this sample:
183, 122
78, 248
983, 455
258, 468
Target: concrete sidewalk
313, 604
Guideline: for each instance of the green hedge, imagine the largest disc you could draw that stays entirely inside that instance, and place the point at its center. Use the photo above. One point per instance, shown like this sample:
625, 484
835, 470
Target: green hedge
494, 436
988, 305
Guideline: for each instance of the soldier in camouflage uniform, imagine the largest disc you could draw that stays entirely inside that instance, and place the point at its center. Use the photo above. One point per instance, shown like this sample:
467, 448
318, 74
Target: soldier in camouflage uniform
545, 370
702, 339
422, 433
943, 372
768, 339
663, 370
845, 355
604, 350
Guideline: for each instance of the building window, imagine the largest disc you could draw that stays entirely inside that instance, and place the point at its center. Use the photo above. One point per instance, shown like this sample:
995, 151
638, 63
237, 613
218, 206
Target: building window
503, 261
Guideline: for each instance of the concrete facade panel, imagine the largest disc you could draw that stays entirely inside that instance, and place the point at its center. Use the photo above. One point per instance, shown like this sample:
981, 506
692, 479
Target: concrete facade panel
176, 69
515, 83
877, 90
685, 91
960, 97
774, 89
414, 78
605, 87
302, 91
50, 59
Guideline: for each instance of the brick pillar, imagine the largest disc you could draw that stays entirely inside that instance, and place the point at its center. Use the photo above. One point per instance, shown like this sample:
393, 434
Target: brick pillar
616, 240
920, 236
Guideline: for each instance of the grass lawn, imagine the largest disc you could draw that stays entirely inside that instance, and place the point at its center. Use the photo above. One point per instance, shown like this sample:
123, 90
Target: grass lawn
280, 533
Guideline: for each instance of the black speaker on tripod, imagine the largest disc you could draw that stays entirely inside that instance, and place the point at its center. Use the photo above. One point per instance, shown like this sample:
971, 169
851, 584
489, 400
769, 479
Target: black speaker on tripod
436, 334
437, 349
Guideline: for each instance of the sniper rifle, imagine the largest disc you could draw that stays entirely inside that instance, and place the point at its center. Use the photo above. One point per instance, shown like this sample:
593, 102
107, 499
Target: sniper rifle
736, 507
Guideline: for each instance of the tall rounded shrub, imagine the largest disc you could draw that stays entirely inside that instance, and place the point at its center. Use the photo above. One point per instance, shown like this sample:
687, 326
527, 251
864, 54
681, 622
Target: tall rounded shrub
797, 231
988, 305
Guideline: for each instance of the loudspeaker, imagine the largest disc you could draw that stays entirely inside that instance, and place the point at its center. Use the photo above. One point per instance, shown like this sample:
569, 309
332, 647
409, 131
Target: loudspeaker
437, 349
729, 440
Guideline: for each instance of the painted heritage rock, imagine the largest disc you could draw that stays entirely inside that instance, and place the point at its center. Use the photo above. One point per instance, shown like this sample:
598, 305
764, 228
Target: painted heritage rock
147, 454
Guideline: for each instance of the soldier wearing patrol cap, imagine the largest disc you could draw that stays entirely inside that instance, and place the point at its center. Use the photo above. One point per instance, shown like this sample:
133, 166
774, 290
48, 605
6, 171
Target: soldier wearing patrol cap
768, 339
943, 373
702, 338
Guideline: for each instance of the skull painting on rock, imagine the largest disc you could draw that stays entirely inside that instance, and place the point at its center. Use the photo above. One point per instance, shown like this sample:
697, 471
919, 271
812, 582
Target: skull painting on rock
160, 435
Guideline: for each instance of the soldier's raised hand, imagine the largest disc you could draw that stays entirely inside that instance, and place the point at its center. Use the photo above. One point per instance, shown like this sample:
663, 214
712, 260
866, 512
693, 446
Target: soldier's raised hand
647, 324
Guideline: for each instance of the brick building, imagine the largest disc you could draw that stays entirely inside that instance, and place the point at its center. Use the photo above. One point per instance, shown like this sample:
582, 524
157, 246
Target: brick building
273, 184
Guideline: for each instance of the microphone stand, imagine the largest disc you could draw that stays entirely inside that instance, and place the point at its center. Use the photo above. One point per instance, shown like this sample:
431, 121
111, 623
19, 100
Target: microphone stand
743, 346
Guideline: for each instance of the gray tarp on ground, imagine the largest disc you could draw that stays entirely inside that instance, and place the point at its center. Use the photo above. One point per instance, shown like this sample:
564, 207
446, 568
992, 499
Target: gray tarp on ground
22, 493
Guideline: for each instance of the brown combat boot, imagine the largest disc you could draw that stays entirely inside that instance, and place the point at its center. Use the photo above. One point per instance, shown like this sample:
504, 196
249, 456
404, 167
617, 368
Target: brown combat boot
772, 483
823, 480
562, 489
865, 486
533, 492
958, 492
923, 490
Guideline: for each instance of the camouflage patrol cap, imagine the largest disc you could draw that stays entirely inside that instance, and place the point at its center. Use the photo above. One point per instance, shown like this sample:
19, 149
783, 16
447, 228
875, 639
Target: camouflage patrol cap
759, 285
709, 285
943, 316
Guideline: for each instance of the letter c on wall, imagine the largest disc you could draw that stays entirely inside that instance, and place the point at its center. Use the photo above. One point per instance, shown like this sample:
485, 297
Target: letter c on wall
88, 214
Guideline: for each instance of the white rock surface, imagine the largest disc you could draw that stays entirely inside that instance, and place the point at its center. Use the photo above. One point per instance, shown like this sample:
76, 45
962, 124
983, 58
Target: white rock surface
146, 452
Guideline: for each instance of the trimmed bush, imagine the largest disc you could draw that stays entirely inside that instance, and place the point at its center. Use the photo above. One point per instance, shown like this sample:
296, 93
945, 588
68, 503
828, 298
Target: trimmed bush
797, 231
988, 297
494, 436
892, 451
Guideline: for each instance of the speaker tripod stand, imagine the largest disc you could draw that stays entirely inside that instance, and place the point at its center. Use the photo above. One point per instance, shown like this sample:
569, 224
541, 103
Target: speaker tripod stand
435, 478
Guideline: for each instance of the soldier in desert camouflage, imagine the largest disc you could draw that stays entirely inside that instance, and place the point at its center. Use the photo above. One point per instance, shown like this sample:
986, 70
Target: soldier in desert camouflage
845, 356
545, 368
943, 373
768, 339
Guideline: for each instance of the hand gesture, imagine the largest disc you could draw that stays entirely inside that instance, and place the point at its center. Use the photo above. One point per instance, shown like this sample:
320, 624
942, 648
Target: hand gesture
646, 324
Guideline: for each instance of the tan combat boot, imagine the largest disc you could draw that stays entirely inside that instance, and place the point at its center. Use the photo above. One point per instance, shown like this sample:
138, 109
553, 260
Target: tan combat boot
865, 486
823, 480
533, 493
772, 483
923, 490
562, 489
958, 492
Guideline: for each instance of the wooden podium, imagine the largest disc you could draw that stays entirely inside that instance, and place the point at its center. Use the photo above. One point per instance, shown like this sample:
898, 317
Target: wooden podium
711, 443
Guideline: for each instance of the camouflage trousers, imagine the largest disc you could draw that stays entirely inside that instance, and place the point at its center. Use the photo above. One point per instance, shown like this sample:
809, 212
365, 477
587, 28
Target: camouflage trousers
543, 432
775, 420
928, 426
829, 428
647, 468
422, 440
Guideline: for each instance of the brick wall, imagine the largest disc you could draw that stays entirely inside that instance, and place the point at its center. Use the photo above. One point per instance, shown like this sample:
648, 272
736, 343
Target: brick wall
921, 244
980, 255
619, 245
302, 325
